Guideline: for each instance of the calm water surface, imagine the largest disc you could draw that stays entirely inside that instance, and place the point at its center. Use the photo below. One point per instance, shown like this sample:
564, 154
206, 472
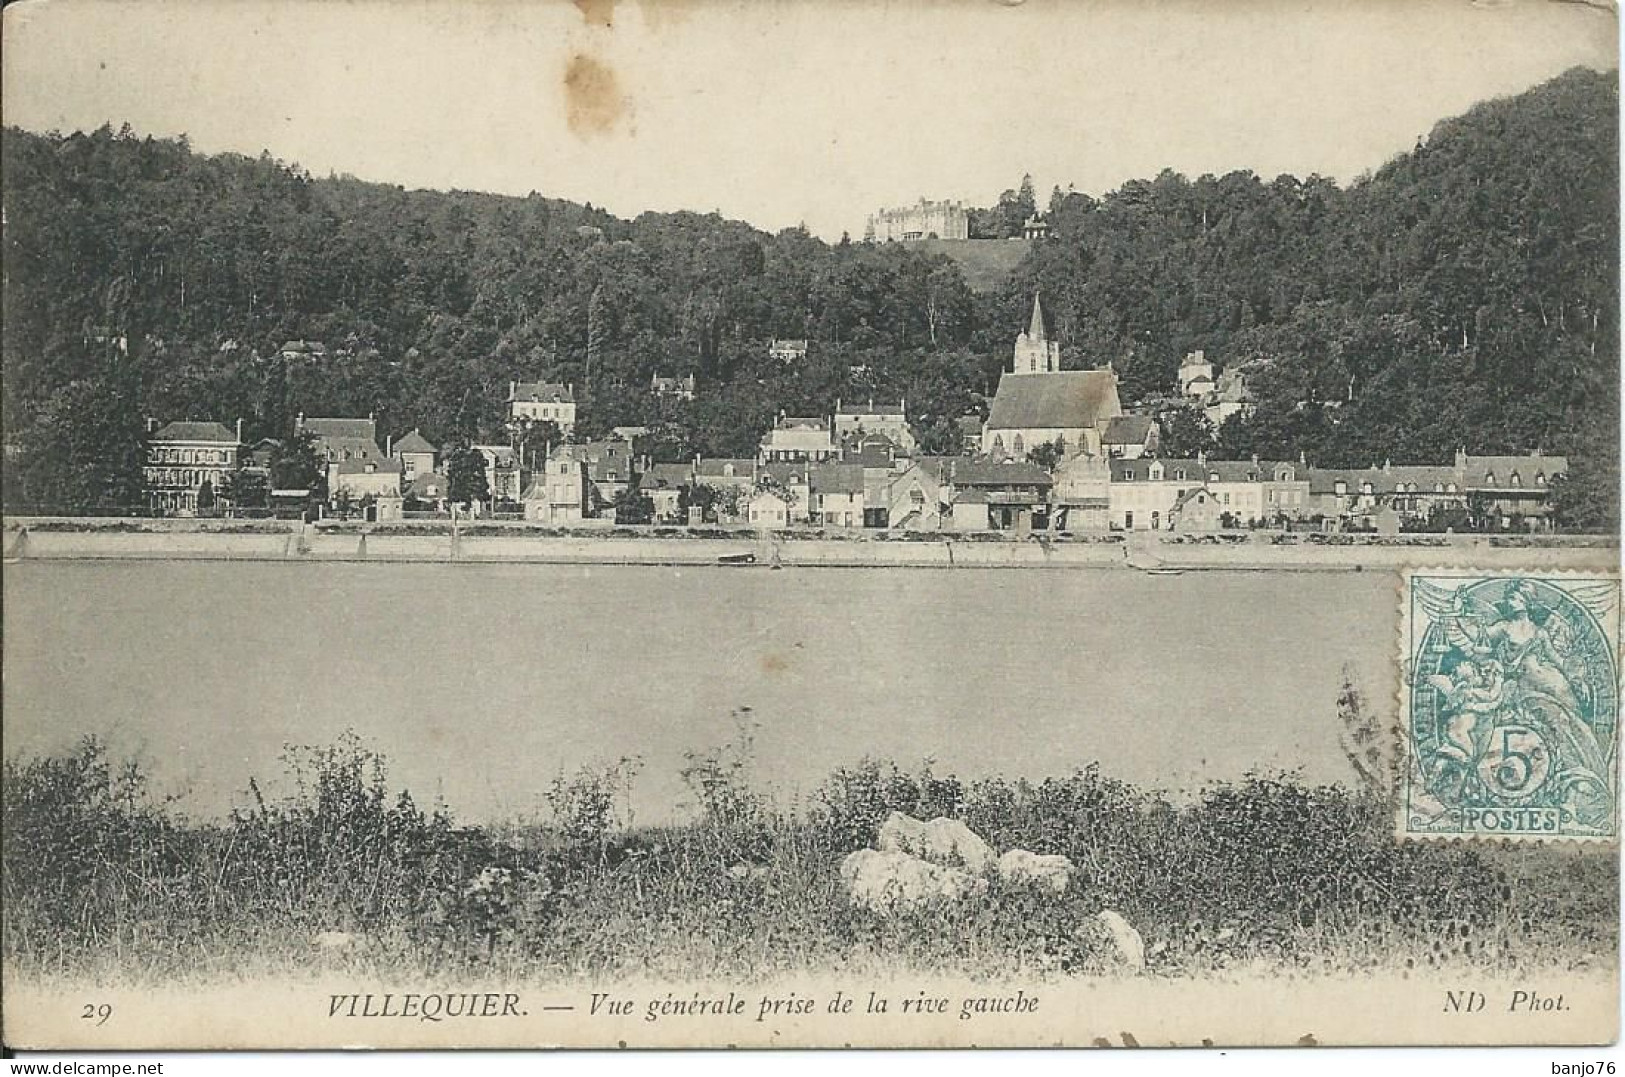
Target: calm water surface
481, 681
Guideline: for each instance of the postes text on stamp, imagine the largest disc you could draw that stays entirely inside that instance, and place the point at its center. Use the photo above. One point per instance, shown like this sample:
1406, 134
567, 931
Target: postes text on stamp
1510, 707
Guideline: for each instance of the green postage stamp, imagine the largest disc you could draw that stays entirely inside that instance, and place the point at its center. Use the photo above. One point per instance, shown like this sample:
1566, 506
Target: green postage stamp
1511, 706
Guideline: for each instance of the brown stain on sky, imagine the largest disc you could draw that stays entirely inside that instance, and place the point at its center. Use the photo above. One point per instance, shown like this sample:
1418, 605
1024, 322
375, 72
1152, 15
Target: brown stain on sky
596, 12
774, 663
594, 103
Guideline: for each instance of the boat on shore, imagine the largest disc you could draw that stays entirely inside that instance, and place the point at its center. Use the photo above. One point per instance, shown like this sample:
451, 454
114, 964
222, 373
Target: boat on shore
737, 559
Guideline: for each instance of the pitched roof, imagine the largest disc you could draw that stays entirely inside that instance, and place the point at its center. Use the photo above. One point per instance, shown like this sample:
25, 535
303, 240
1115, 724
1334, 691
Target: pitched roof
836, 479
790, 422
414, 442
1065, 399
1195, 493
666, 476
538, 391
1128, 430
423, 480
1140, 470
716, 467
362, 467
871, 408
1477, 469
984, 471
341, 428
787, 473
194, 431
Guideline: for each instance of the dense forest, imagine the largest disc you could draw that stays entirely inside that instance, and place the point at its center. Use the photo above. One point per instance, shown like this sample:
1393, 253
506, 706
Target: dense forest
1462, 294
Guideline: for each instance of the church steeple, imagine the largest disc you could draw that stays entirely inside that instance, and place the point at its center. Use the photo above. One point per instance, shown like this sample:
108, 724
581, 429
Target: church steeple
1035, 352
1035, 331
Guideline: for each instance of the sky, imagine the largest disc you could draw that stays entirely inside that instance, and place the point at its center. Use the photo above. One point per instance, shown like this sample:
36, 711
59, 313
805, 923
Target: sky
780, 113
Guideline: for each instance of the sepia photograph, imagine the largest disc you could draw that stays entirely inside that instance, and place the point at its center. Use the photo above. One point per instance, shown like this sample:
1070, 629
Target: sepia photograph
834, 524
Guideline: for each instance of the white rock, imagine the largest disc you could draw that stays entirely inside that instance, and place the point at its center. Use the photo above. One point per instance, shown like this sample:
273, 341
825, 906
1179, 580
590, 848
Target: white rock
1129, 947
889, 881
1050, 873
942, 841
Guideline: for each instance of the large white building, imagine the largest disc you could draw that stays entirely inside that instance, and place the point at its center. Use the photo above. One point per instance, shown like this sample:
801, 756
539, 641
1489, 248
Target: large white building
183, 458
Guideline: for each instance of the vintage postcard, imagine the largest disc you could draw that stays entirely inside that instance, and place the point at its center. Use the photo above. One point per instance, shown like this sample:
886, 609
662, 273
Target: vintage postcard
934, 523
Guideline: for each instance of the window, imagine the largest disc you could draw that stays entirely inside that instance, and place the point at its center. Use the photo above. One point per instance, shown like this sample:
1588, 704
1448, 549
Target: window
1156, 520
1128, 520
1489, 478
1450, 487
1366, 489
1179, 474
1018, 444
1340, 488
1438, 487
1516, 479
1226, 499
1540, 478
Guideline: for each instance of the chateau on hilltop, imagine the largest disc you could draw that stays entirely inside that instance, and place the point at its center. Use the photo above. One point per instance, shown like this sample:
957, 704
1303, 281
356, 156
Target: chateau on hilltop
925, 220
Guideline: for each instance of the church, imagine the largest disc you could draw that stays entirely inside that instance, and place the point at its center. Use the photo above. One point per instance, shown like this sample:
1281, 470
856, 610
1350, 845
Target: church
1037, 402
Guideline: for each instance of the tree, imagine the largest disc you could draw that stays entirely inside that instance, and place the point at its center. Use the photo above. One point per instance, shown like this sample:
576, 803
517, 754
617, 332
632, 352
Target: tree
205, 496
1047, 456
633, 506
1185, 432
466, 480
1586, 497
246, 489
701, 496
298, 465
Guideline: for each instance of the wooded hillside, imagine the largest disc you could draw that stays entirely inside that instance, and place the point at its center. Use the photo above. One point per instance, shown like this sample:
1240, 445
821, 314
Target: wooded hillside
1463, 294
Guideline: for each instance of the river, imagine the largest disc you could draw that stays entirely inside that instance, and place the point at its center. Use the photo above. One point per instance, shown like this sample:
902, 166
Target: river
481, 681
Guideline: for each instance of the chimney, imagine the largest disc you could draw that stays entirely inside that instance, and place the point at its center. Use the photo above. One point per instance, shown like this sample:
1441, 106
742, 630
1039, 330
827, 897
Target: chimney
389, 444
239, 431
299, 422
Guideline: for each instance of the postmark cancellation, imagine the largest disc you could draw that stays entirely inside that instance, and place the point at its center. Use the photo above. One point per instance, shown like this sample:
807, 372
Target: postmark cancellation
1510, 709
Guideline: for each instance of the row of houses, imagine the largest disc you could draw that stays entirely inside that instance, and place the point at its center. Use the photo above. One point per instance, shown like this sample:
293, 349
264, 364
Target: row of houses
870, 479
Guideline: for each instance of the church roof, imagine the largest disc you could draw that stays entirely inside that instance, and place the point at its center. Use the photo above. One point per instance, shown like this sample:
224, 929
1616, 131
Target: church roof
1064, 399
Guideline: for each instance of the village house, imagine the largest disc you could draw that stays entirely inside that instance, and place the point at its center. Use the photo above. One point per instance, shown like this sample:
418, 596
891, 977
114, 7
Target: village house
672, 388
1196, 510
1195, 376
416, 454
787, 351
838, 495
427, 491
342, 440
663, 485
768, 508
987, 494
302, 351
734, 479
1238, 490
359, 480
1038, 403
188, 460
1144, 491
797, 440
1511, 488
356, 466
1081, 497
890, 421
794, 482
911, 501
543, 401
1131, 437
880, 459
502, 472
559, 493
609, 468
1230, 396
